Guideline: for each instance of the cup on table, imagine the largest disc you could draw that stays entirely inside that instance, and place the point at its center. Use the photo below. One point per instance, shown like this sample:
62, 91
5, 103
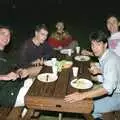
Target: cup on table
54, 69
75, 71
69, 52
78, 49
54, 60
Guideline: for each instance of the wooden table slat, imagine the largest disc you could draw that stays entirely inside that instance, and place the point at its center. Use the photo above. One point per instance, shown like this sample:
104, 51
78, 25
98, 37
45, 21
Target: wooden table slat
61, 85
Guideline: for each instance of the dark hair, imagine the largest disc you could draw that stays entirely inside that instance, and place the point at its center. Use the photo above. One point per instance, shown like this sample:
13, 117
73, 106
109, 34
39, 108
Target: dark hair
42, 26
98, 36
111, 15
6, 27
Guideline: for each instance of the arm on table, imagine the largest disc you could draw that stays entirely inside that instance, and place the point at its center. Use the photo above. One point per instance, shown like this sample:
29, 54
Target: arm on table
31, 71
81, 96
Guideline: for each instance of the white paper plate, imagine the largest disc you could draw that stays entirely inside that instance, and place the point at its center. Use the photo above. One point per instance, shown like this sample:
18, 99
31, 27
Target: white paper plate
82, 58
81, 83
48, 63
65, 51
59, 48
43, 77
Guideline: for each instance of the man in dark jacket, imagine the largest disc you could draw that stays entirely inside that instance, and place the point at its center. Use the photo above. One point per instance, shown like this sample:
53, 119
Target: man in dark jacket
11, 83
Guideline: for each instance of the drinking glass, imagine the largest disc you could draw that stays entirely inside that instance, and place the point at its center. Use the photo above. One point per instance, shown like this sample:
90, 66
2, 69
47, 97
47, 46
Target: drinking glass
75, 71
78, 49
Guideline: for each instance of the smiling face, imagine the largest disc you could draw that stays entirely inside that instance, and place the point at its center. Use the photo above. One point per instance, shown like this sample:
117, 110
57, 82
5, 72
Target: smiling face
4, 37
112, 24
98, 48
41, 35
60, 26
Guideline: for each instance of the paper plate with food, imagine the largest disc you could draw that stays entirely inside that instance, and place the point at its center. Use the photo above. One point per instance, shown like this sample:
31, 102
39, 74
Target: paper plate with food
81, 83
82, 58
47, 77
66, 51
64, 64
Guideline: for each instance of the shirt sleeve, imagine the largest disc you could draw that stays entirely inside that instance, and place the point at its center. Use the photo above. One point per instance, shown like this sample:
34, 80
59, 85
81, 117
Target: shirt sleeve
48, 51
100, 78
110, 76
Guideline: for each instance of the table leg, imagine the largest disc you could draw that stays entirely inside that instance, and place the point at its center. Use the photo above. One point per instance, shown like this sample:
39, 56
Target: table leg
60, 116
28, 114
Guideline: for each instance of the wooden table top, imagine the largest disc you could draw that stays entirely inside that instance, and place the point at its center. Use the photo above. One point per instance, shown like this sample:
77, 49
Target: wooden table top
50, 96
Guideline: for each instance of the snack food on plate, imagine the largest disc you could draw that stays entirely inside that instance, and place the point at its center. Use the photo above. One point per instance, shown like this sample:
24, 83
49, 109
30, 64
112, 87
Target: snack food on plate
64, 64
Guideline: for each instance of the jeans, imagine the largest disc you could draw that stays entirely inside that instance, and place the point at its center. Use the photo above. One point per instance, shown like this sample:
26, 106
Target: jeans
106, 104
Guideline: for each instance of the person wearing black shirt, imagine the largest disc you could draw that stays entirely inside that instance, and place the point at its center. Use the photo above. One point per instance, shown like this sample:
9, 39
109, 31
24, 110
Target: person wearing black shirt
36, 48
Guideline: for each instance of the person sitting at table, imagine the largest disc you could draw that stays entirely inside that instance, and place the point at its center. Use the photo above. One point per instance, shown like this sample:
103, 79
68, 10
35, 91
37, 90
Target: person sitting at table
36, 49
106, 98
112, 23
13, 85
61, 38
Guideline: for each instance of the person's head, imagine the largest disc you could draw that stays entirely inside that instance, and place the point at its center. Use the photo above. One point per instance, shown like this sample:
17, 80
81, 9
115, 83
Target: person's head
112, 23
98, 43
41, 33
5, 35
60, 26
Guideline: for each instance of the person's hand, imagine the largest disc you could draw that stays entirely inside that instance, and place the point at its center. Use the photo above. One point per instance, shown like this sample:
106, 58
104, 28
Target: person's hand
74, 97
34, 71
38, 62
22, 73
86, 52
11, 76
94, 69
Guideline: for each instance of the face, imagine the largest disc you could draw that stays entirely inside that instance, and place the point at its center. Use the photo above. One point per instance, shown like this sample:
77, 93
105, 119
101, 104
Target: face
4, 37
98, 48
112, 24
60, 26
41, 35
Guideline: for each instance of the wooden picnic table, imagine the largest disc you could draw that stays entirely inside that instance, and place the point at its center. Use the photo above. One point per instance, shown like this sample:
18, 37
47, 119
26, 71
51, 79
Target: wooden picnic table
50, 96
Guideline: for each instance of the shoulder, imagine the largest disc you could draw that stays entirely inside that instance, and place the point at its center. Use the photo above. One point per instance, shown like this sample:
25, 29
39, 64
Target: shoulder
28, 43
53, 34
112, 58
115, 36
66, 33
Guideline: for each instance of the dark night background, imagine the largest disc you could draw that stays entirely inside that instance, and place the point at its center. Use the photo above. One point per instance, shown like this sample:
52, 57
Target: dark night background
80, 16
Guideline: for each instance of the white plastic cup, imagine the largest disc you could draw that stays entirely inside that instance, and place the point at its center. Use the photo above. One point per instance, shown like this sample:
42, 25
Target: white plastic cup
78, 49
54, 60
69, 52
75, 71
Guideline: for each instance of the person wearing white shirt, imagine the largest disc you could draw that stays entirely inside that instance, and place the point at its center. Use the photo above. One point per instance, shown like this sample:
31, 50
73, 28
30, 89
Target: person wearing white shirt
113, 24
106, 98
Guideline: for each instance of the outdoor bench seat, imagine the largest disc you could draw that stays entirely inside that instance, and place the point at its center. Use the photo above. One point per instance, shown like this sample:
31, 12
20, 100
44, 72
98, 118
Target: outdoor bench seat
10, 113
112, 115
